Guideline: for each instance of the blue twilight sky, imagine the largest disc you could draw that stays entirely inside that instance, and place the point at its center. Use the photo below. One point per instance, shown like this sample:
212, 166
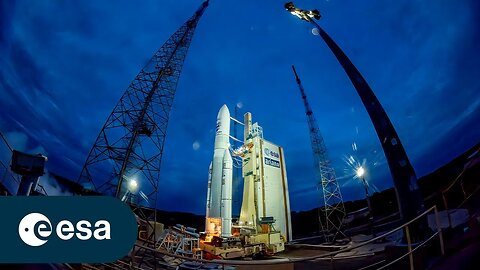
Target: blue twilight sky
64, 65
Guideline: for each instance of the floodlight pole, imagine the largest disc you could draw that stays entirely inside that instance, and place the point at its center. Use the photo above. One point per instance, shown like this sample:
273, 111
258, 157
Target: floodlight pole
367, 196
410, 202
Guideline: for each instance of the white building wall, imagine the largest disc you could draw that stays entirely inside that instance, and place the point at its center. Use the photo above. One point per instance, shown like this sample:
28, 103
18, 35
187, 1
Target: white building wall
273, 198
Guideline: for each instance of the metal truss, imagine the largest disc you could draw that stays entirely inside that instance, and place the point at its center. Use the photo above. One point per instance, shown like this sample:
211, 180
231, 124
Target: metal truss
125, 159
332, 213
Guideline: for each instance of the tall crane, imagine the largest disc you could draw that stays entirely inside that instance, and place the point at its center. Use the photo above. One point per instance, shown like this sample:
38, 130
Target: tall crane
333, 211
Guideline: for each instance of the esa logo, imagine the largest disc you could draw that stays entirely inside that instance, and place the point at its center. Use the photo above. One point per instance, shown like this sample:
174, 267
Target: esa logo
271, 153
35, 229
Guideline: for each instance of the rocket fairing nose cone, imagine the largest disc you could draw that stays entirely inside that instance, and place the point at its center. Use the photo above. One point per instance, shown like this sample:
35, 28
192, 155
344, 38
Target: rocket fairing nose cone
223, 112
223, 121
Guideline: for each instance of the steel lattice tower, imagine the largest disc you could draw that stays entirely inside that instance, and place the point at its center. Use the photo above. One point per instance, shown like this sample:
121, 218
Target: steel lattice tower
131, 143
333, 210
126, 158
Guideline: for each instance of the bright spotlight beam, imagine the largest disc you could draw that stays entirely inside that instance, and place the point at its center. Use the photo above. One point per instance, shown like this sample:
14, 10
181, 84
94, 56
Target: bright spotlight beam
360, 171
132, 185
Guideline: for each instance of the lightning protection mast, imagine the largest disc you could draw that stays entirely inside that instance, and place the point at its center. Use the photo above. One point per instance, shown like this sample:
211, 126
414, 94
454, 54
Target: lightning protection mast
125, 159
333, 212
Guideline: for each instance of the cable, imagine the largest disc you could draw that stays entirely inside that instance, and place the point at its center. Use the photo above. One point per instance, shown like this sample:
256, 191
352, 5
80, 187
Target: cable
6, 143
8, 171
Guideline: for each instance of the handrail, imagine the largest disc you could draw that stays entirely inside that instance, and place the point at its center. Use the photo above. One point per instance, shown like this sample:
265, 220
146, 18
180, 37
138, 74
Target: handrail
445, 190
41, 189
294, 260
458, 177
469, 196
408, 253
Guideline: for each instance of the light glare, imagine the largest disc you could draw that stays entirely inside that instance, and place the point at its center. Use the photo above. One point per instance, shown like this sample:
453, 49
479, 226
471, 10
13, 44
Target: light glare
133, 184
360, 171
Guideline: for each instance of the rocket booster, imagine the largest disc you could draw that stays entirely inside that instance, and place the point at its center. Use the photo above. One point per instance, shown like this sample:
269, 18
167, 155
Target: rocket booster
208, 194
226, 205
219, 197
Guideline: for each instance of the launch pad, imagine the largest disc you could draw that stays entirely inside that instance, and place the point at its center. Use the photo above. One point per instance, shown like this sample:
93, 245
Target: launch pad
264, 225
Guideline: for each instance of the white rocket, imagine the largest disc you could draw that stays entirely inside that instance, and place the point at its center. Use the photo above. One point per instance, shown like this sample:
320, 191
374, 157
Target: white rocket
219, 194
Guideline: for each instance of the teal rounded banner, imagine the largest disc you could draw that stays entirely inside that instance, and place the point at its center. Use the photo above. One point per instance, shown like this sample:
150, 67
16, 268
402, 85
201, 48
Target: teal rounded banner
82, 229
